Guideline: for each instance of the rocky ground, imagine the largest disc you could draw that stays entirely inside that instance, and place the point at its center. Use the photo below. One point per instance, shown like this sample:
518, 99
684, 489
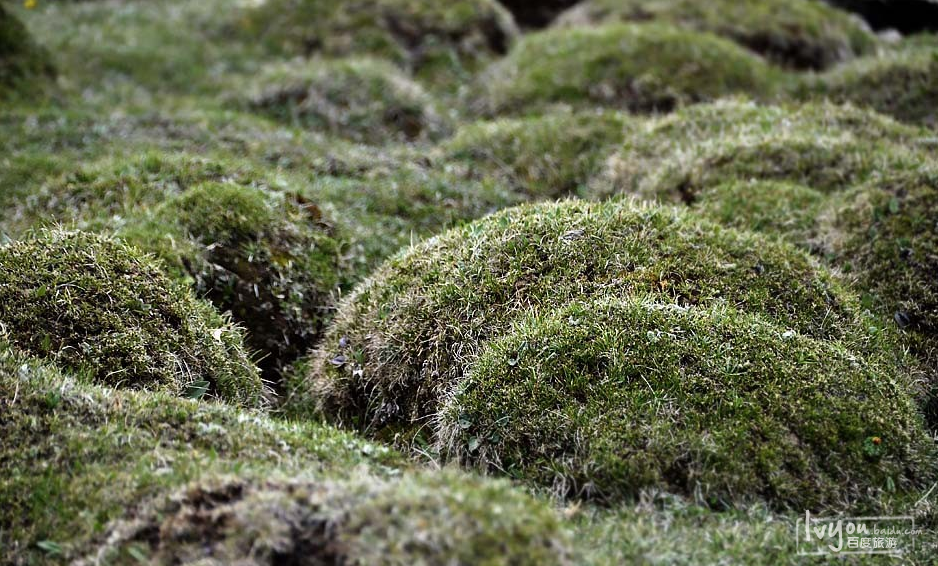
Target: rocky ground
466, 282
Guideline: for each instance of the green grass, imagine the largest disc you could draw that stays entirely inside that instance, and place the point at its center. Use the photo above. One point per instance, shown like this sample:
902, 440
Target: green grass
25, 68
611, 398
864, 190
274, 261
440, 518
76, 456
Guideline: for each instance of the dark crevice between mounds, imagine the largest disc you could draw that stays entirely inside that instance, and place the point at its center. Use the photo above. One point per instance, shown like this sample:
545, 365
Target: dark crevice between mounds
206, 513
907, 16
794, 55
535, 15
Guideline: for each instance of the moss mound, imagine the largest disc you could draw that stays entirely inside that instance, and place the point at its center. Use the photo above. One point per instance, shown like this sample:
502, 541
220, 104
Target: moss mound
394, 209
804, 34
741, 171
899, 83
543, 157
406, 340
76, 456
361, 99
96, 306
856, 193
423, 35
884, 235
103, 474
428, 519
823, 143
769, 207
826, 164
109, 192
24, 66
613, 397
272, 261
642, 68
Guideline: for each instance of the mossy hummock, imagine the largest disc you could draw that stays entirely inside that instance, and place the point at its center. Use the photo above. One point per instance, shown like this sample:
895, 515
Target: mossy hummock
444, 518
124, 476
272, 260
364, 100
804, 34
612, 397
113, 191
900, 83
884, 236
545, 156
843, 136
408, 339
428, 37
825, 163
101, 308
852, 187
773, 208
25, 68
637, 67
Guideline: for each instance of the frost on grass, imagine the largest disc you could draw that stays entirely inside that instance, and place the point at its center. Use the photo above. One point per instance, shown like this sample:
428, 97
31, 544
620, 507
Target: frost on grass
438, 348
98, 307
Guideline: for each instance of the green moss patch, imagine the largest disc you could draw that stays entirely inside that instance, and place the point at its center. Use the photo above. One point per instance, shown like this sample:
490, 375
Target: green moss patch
770, 207
614, 397
884, 236
826, 164
96, 306
544, 157
421, 519
900, 83
425, 36
858, 193
392, 210
360, 99
804, 34
76, 456
639, 67
408, 339
24, 66
461, 287
273, 261
702, 138
111, 191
